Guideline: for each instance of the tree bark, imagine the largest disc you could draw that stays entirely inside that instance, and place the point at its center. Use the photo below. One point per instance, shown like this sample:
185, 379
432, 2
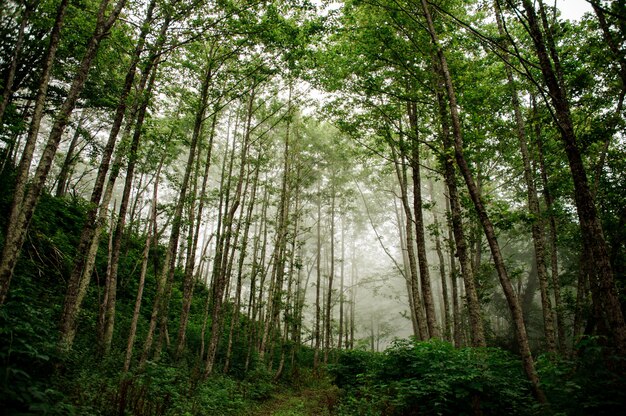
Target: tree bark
331, 276
188, 282
19, 217
444, 282
477, 332
400, 168
150, 240
422, 259
516, 311
590, 225
88, 245
17, 49
456, 313
318, 281
537, 228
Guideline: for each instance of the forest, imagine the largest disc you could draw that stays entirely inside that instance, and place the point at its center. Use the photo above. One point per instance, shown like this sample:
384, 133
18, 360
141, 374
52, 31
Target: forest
312, 207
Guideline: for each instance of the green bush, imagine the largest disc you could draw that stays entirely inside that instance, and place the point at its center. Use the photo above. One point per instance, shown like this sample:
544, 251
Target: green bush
433, 378
591, 384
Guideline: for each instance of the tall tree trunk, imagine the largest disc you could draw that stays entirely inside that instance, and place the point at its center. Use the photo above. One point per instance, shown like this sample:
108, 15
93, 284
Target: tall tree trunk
591, 227
341, 282
188, 282
220, 270
278, 258
16, 225
245, 219
456, 313
258, 261
422, 259
90, 235
444, 281
150, 240
400, 168
549, 201
88, 246
516, 311
477, 332
318, 281
537, 228
406, 273
331, 276
17, 50
111, 286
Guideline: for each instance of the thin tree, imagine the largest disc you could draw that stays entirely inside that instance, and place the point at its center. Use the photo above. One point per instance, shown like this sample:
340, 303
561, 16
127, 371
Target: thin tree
537, 228
516, 311
604, 291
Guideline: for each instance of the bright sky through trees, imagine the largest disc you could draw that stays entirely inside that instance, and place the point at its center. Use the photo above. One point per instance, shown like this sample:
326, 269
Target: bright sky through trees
573, 9
313, 207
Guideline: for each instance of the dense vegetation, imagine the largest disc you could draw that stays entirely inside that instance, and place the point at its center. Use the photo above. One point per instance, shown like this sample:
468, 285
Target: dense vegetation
401, 207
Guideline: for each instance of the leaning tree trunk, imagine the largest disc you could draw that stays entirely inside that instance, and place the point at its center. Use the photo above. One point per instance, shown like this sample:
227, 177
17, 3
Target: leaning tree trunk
477, 332
590, 224
151, 238
90, 235
64, 177
16, 225
514, 306
8, 84
537, 228
188, 280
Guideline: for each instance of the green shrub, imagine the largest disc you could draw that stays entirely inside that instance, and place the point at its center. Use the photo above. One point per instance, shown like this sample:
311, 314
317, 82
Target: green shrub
433, 378
593, 383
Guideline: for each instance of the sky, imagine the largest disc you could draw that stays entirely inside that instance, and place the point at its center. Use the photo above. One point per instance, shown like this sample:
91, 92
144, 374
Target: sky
573, 9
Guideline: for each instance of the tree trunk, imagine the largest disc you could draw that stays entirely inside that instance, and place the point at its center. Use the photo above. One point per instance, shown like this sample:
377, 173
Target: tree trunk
220, 266
278, 258
331, 276
88, 246
456, 313
17, 49
89, 240
549, 201
427, 293
400, 168
477, 332
188, 282
406, 273
516, 311
150, 239
64, 175
444, 281
341, 282
537, 228
19, 219
318, 281
591, 227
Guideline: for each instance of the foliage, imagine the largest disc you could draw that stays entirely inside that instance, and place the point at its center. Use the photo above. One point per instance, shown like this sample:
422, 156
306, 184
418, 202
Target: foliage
432, 378
590, 383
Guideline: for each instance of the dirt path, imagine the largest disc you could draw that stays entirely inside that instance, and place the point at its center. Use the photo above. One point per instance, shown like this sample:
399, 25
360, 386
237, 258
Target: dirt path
305, 402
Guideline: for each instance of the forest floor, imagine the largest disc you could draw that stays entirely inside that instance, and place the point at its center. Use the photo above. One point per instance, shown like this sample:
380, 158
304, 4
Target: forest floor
307, 401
